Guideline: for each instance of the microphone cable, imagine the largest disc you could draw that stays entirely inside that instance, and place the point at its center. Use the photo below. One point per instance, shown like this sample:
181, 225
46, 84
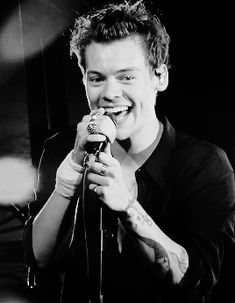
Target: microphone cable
83, 187
93, 148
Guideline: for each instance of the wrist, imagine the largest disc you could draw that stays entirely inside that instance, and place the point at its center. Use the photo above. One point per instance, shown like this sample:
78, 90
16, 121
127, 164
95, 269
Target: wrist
125, 213
74, 162
131, 201
68, 177
77, 157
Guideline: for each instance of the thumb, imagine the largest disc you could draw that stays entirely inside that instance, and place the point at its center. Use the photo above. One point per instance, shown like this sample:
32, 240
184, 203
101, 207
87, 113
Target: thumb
100, 111
107, 149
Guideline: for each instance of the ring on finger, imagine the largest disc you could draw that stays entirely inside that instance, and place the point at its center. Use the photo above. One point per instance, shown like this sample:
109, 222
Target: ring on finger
92, 128
103, 170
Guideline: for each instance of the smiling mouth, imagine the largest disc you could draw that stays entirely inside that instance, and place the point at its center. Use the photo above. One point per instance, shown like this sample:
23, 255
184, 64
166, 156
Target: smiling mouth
119, 111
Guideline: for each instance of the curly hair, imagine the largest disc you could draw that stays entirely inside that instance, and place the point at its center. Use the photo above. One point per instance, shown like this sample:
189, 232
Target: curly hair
119, 21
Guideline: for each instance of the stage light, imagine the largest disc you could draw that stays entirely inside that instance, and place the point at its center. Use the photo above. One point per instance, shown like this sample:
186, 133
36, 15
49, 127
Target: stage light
31, 27
17, 181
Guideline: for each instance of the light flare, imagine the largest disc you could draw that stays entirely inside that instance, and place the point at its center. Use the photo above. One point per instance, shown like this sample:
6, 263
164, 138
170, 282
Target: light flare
31, 27
17, 181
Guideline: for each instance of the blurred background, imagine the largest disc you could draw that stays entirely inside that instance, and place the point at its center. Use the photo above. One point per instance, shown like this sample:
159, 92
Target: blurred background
41, 93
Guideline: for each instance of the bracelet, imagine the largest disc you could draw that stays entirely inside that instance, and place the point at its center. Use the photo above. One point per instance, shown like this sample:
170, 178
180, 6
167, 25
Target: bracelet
68, 177
78, 168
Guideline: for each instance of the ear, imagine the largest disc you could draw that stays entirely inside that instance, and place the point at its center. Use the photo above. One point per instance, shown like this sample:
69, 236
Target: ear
161, 76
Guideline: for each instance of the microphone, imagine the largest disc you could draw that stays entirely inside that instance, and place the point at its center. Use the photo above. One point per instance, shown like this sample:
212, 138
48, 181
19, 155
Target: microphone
96, 147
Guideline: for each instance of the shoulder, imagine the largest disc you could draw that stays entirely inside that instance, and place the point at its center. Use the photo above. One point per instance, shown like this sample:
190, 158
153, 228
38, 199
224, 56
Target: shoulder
61, 141
201, 172
56, 147
195, 154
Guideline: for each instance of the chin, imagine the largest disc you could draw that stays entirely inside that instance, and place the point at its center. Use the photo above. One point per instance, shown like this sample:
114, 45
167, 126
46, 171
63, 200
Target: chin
122, 135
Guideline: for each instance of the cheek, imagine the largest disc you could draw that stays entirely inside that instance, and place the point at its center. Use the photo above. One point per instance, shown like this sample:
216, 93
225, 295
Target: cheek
92, 96
144, 97
137, 93
147, 103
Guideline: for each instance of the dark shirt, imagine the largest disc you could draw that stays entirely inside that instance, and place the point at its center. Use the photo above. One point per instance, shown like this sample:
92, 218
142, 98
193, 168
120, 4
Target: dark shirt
186, 186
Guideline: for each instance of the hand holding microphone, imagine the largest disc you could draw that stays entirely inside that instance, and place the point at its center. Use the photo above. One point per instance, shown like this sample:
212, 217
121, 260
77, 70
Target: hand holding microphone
105, 175
95, 147
94, 132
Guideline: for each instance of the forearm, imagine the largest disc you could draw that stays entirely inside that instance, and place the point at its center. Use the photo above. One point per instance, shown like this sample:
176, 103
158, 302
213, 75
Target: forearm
46, 226
47, 223
165, 255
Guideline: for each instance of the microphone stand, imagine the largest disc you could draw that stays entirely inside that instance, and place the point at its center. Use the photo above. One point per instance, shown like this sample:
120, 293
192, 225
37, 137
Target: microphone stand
85, 165
101, 254
94, 148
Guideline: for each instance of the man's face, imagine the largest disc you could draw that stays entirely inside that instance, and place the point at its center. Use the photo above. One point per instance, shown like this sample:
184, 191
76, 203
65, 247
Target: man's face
118, 79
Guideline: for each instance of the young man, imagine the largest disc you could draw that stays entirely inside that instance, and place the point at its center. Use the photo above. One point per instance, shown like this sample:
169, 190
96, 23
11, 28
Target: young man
164, 200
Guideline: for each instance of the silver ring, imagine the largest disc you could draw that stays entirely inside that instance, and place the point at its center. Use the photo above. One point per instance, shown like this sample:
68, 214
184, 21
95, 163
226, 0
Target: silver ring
92, 127
103, 170
94, 189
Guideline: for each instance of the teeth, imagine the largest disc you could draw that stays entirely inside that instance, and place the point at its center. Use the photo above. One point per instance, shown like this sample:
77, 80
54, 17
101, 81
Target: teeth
116, 109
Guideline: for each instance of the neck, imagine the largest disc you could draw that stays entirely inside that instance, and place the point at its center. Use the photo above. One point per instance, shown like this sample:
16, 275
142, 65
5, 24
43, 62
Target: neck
144, 137
134, 151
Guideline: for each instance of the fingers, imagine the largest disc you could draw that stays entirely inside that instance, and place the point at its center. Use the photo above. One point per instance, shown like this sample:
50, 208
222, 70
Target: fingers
100, 168
95, 138
87, 118
102, 124
97, 189
97, 179
107, 159
101, 128
100, 174
100, 110
83, 136
92, 186
107, 149
105, 165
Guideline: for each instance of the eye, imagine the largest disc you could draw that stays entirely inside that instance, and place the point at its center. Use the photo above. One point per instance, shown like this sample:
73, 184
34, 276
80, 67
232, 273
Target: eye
95, 80
127, 77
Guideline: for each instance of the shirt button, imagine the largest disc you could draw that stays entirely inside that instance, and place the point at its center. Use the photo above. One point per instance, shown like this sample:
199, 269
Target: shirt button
108, 234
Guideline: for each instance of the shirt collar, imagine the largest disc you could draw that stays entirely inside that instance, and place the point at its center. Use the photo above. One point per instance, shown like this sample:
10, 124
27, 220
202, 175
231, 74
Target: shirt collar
156, 163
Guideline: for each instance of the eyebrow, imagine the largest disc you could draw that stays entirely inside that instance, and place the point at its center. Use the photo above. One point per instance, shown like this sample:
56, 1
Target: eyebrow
94, 72
129, 69
124, 70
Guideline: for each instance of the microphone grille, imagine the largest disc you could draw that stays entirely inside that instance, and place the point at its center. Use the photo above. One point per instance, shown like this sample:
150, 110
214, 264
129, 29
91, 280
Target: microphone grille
112, 117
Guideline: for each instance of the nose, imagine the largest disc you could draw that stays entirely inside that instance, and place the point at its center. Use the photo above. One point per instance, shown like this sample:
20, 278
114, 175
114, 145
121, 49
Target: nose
111, 91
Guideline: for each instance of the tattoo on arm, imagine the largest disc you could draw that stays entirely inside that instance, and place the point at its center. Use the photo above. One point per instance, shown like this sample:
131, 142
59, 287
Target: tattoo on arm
160, 254
175, 262
168, 263
136, 218
181, 261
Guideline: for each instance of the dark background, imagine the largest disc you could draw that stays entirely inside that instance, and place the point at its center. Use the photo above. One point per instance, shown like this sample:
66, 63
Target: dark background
41, 92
